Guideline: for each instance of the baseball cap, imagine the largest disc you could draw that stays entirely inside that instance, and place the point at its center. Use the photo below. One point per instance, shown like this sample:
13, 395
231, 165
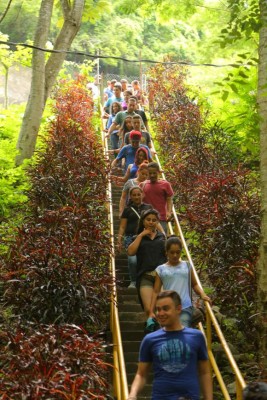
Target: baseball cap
135, 135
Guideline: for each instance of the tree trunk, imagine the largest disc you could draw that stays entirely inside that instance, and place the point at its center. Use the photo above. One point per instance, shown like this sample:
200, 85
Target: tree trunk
45, 74
262, 106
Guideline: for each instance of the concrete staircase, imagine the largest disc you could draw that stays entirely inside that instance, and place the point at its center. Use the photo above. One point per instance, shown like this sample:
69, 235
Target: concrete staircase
131, 314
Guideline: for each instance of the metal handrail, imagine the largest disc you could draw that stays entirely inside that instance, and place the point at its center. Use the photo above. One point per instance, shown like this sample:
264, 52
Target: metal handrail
120, 379
210, 320
120, 384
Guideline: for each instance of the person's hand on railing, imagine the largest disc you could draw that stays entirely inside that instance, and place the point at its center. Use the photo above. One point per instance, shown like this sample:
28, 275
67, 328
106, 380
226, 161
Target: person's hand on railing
119, 244
118, 180
168, 216
205, 297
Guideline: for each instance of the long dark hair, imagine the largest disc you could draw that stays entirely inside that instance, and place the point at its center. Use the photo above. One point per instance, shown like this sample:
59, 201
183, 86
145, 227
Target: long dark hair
140, 149
144, 214
173, 239
124, 126
111, 106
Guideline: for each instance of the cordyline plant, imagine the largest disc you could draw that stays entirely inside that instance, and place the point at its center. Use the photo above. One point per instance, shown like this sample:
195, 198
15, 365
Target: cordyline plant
57, 269
52, 362
215, 195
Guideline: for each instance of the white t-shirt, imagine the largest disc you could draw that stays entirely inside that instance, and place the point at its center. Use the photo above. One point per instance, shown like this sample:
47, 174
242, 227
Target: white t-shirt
176, 278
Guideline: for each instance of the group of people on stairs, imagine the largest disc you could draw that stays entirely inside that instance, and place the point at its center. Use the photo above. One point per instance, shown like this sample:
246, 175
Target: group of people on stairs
178, 352
162, 279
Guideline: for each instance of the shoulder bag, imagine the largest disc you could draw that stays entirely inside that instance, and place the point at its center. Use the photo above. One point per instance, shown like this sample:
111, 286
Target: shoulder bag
198, 313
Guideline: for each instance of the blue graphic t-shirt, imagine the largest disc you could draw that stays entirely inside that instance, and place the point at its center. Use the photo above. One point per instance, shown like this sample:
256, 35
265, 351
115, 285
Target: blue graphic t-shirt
175, 356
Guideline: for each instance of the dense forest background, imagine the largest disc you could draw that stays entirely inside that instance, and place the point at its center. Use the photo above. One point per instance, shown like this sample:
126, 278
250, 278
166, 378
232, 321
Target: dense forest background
222, 59
216, 42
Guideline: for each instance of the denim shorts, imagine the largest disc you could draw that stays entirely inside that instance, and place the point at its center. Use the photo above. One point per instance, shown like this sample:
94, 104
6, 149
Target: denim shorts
148, 279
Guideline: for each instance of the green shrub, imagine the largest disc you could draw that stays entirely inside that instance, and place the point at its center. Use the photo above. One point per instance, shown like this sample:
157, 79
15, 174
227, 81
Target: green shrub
13, 181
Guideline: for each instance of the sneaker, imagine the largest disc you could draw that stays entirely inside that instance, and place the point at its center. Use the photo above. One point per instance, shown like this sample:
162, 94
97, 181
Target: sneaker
151, 325
132, 285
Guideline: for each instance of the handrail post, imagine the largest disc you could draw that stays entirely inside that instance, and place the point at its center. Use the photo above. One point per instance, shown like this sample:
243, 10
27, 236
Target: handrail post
208, 331
239, 389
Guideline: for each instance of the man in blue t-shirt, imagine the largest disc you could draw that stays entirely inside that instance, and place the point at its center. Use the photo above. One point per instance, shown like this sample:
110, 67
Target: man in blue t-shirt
116, 97
128, 152
178, 355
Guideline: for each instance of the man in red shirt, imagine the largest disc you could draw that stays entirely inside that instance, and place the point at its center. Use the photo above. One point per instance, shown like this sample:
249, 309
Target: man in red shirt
158, 193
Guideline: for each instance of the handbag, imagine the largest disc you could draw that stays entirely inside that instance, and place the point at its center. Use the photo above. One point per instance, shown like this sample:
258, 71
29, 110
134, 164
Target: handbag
198, 312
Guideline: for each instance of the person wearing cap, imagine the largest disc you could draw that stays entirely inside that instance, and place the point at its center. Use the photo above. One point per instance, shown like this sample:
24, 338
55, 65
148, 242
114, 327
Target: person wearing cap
137, 123
128, 152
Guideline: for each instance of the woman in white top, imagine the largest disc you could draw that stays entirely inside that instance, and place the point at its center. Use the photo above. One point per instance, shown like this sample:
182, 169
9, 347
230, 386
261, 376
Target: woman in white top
176, 275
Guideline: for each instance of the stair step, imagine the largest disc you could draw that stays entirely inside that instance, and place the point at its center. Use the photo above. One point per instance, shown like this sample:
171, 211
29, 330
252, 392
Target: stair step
136, 335
130, 308
132, 326
131, 316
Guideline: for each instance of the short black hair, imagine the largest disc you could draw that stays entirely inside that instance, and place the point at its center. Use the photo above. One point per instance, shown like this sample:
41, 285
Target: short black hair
154, 164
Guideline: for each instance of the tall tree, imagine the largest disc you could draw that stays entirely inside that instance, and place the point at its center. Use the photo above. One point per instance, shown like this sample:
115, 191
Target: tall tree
262, 104
44, 72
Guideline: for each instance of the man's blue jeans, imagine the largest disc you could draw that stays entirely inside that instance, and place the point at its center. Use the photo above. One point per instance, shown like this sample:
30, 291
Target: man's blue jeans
114, 140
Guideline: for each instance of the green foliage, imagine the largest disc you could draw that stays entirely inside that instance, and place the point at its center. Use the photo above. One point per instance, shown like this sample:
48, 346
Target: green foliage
94, 9
237, 109
13, 182
244, 21
20, 20
164, 9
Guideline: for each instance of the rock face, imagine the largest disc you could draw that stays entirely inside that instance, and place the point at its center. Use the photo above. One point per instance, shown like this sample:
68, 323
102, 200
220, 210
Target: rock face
19, 83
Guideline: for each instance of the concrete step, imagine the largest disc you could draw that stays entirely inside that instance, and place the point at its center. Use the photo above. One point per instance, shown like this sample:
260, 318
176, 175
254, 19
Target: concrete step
131, 316
131, 349
126, 296
132, 325
130, 308
130, 336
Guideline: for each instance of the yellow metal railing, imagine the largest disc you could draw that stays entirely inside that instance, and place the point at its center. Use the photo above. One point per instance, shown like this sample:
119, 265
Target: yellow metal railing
120, 385
120, 380
211, 321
